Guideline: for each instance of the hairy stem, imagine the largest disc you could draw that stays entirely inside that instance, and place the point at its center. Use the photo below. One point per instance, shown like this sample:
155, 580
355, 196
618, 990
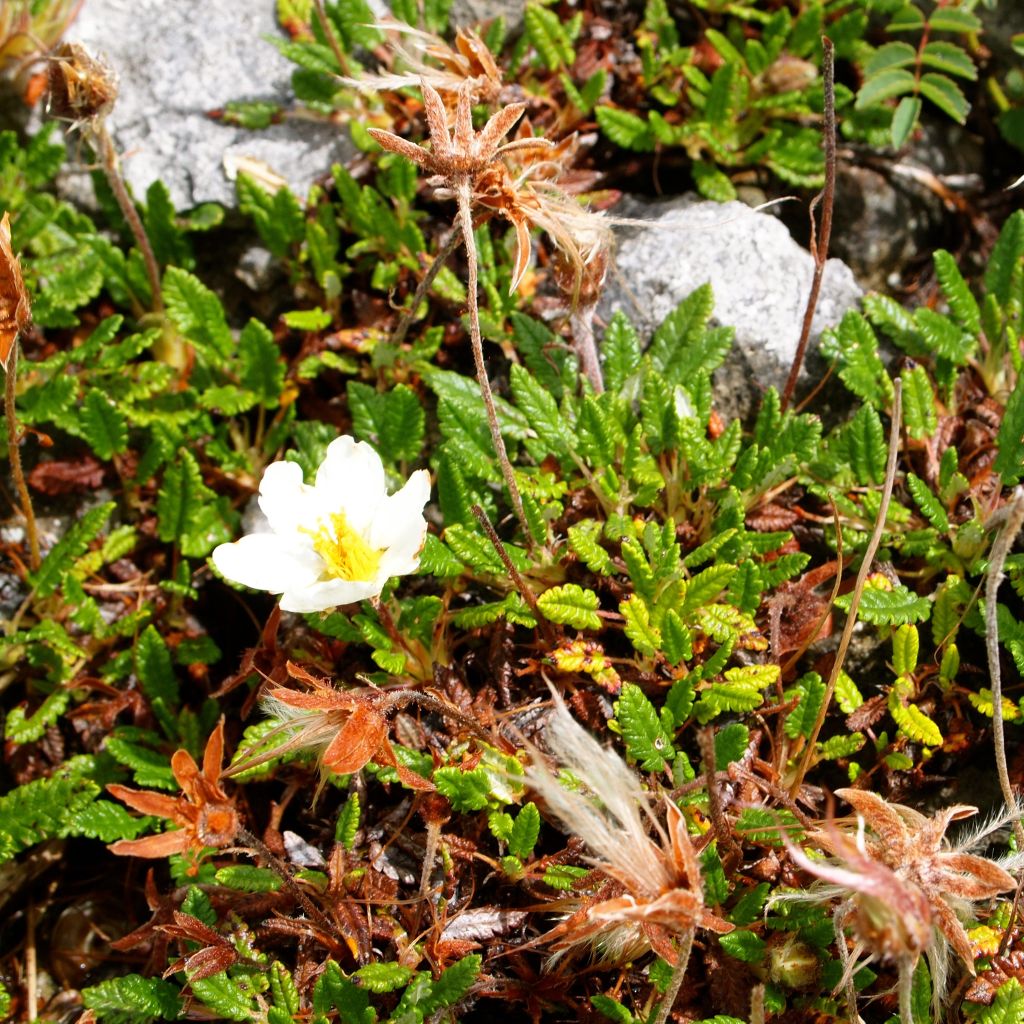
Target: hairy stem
858, 590
1011, 526
421, 289
14, 454
581, 323
819, 242
466, 223
678, 974
111, 168
906, 991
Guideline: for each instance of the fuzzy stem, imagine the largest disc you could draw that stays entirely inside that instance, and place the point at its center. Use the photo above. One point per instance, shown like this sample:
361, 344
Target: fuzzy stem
108, 156
14, 454
466, 222
516, 576
997, 560
906, 991
669, 1000
581, 322
421, 289
858, 590
819, 243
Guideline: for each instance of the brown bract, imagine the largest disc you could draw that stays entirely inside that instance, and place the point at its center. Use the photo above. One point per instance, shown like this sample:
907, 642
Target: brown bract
203, 812
80, 86
348, 727
15, 310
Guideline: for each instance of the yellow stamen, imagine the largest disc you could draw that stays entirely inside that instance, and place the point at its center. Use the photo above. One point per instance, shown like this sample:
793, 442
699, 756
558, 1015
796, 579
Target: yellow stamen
345, 553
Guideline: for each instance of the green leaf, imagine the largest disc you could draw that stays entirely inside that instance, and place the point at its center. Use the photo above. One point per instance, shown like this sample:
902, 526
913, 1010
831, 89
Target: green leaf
277, 216
1006, 1008
744, 945
905, 647
333, 991
348, 822
713, 183
465, 790
904, 120
525, 830
612, 1009
24, 728
620, 352
625, 129
453, 984
548, 36
683, 346
262, 369
180, 500
231, 998
154, 669
642, 729
393, 421
884, 86
104, 426
384, 977
768, 826
247, 878
954, 19
962, 304
1005, 258
891, 55
946, 95
919, 412
541, 411
868, 449
132, 999
1009, 461
855, 347
197, 313
571, 605
731, 744
888, 607
73, 544
928, 503
801, 720
646, 639
949, 57
583, 542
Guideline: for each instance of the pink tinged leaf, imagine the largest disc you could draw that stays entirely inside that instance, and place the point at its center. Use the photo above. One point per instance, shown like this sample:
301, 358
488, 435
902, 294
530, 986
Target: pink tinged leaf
209, 961
884, 821
973, 877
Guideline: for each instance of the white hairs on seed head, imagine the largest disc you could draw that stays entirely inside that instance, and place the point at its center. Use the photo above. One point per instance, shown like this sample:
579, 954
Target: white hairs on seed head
611, 818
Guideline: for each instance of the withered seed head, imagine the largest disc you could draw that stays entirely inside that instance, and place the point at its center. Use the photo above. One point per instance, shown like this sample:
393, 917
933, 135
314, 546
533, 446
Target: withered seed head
80, 87
15, 310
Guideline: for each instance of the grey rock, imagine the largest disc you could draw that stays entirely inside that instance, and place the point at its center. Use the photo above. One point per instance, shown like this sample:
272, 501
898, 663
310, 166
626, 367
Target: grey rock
473, 12
760, 277
178, 60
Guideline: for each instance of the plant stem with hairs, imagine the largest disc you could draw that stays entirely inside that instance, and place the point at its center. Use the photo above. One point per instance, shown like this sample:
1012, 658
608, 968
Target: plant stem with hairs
111, 168
463, 197
819, 242
1011, 526
858, 590
676, 982
14, 454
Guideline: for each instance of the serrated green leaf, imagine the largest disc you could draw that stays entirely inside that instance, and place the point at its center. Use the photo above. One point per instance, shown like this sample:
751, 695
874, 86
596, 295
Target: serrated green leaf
801, 720
744, 945
962, 304
548, 36
71, 546
884, 86
525, 830
348, 822
946, 95
103, 425
583, 542
928, 503
465, 790
868, 449
1005, 258
247, 878
571, 605
620, 352
919, 412
642, 729
383, 977
625, 129
888, 607
197, 313
154, 669
646, 638
132, 999
1009, 461
262, 369
905, 647
541, 411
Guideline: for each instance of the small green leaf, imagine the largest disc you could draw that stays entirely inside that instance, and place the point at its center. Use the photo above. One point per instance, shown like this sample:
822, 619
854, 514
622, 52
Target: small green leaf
905, 646
571, 605
884, 86
946, 95
132, 999
646, 639
642, 729
247, 878
348, 822
525, 830
103, 425
744, 945
904, 120
625, 129
383, 977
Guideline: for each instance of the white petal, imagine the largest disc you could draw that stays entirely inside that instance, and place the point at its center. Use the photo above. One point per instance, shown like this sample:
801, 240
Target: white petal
320, 597
285, 500
396, 515
351, 480
265, 561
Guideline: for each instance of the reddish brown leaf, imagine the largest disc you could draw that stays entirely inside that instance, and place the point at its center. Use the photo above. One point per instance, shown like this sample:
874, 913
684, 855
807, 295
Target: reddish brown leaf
357, 741
66, 476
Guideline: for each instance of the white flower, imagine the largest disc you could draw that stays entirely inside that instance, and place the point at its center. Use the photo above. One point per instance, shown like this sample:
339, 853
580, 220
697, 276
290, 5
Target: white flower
336, 542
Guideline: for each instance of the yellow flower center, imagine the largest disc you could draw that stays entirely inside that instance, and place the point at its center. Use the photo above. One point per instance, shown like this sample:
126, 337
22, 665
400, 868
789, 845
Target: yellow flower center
345, 553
